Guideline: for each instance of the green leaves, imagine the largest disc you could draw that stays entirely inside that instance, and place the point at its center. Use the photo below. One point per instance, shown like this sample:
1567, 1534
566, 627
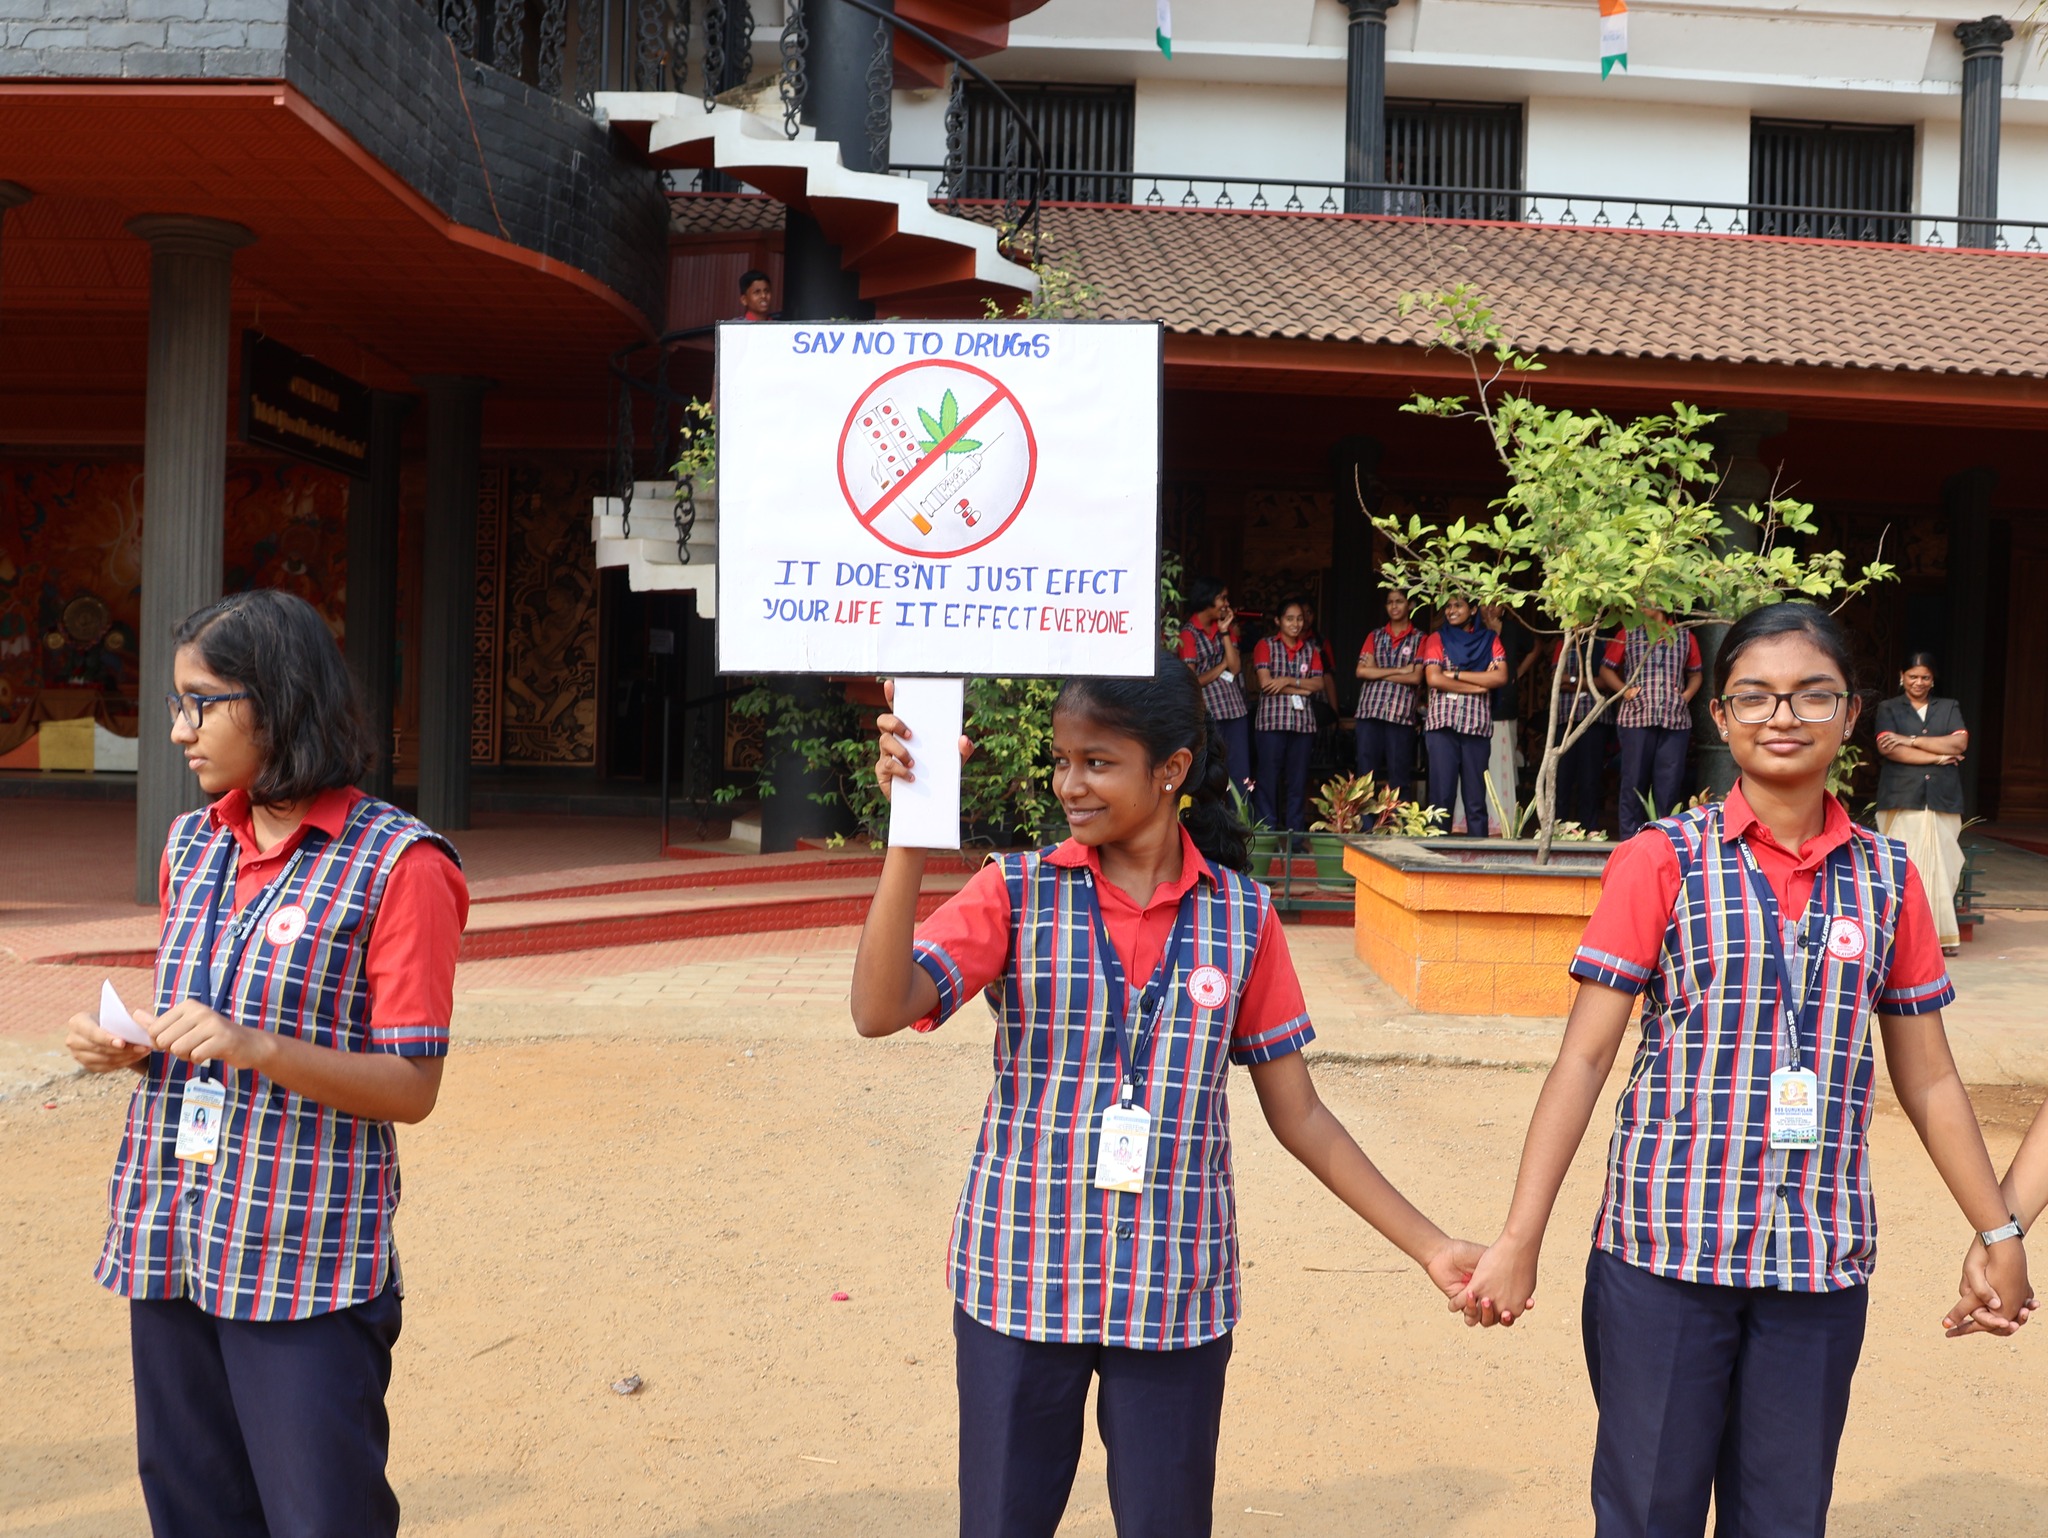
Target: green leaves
936, 428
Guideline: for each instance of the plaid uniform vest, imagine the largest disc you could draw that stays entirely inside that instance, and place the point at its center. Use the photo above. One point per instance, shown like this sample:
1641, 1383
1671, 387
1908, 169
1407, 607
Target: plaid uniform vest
1470, 715
1276, 711
1381, 699
294, 1216
1224, 696
1037, 1251
1694, 1190
1661, 682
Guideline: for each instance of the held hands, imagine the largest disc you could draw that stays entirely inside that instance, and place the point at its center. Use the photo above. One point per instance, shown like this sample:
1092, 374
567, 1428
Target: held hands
894, 761
96, 1051
1450, 1265
1990, 1277
1502, 1287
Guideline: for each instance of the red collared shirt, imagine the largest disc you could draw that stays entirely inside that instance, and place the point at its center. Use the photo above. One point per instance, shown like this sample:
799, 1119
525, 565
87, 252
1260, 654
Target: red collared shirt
1641, 885
410, 964
973, 930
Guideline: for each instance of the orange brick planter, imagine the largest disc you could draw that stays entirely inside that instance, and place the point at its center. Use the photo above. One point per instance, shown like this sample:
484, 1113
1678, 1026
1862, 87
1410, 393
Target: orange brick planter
1472, 926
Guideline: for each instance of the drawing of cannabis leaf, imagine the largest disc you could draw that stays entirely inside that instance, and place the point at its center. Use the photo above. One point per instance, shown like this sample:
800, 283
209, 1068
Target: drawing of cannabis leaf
935, 429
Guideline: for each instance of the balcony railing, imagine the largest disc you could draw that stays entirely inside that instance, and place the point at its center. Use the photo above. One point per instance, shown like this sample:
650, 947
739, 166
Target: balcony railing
1523, 206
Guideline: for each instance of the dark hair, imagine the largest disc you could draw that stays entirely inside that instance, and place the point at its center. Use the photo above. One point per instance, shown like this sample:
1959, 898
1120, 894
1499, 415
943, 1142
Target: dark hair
1291, 601
1920, 660
309, 722
1204, 591
1776, 619
752, 276
1165, 713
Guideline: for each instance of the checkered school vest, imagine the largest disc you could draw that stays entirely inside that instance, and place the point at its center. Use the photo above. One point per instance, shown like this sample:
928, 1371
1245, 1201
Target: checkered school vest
294, 1216
1661, 681
1039, 1252
1694, 1190
1470, 715
1276, 711
1223, 696
1381, 699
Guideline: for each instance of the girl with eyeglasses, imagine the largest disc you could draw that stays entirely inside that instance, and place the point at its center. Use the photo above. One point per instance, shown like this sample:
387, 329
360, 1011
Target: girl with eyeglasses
304, 982
1922, 740
1726, 1292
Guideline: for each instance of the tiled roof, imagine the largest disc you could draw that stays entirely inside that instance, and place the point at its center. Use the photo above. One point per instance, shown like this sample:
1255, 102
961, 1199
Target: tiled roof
1599, 291
1618, 292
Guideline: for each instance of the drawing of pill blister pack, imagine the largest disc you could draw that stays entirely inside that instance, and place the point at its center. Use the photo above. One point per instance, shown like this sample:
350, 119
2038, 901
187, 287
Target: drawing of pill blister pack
895, 453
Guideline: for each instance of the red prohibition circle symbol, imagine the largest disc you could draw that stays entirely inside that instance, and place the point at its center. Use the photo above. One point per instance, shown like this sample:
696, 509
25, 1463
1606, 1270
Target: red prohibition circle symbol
937, 458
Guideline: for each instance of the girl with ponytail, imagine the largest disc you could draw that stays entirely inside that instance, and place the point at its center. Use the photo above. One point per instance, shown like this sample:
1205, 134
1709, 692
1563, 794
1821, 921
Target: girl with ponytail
1127, 968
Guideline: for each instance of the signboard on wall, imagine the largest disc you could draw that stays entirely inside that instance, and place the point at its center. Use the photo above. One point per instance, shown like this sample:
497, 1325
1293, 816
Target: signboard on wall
938, 497
303, 408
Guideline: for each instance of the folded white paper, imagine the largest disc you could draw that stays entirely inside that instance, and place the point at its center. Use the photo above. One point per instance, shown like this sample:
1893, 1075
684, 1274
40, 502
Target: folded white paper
925, 813
116, 1021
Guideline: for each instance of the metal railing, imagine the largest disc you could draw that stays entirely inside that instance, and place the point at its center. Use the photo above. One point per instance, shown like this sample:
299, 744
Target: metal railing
1525, 206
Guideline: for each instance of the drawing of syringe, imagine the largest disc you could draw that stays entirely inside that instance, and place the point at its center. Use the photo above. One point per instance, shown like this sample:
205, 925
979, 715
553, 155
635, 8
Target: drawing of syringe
937, 500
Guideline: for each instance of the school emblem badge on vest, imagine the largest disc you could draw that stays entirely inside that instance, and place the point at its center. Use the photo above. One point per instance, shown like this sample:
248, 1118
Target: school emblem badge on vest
286, 925
1845, 940
1208, 987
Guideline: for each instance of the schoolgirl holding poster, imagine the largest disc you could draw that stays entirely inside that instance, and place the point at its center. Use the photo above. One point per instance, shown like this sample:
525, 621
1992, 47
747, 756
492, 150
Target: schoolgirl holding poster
1128, 967
304, 983
1462, 663
1726, 1291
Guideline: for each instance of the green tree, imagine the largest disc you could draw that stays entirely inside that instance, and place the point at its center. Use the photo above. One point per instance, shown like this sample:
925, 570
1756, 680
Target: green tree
1604, 521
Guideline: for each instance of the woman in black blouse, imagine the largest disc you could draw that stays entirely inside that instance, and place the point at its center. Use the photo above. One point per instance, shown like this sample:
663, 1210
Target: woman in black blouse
1921, 739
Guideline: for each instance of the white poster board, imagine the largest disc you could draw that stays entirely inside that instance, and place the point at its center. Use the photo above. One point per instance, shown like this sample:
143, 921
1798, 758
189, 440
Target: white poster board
938, 497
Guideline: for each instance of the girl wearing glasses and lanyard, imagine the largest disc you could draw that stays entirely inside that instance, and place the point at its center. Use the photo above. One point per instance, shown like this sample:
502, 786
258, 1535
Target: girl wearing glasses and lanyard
1725, 1295
304, 983
1127, 969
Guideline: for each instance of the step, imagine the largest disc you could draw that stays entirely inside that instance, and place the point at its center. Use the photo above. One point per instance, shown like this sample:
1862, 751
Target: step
711, 871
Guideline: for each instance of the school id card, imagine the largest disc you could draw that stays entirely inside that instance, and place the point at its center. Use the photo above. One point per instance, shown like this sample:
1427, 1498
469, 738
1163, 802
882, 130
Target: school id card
1795, 1109
1122, 1148
199, 1117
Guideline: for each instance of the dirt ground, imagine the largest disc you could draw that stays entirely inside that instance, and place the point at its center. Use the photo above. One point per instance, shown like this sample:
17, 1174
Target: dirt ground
680, 1198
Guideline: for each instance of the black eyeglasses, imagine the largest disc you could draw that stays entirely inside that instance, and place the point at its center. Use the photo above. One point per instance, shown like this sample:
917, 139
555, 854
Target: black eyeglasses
1753, 707
191, 708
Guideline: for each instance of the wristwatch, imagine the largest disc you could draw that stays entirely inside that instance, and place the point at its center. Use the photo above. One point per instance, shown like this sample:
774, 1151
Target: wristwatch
1992, 1236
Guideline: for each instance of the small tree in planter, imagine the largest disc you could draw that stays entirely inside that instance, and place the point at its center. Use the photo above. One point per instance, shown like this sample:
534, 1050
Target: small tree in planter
1606, 524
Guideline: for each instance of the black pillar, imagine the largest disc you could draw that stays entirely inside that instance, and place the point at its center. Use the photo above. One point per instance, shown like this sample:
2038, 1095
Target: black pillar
1983, 79
184, 491
842, 55
1365, 103
1351, 602
1746, 480
1966, 502
455, 432
372, 620
12, 195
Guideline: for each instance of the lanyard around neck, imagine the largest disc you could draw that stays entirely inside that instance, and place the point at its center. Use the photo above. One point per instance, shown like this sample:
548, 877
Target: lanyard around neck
1774, 945
219, 985
1152, 1002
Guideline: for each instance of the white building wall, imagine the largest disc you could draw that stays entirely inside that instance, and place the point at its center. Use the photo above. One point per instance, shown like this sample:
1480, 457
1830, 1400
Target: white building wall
1636, 149
1212, 128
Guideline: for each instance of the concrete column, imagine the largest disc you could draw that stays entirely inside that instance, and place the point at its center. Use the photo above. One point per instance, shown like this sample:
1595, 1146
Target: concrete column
1746, 479
372, 624
12, 195
184, 489
1966, 502
1365, 103
455, 434
1983, 79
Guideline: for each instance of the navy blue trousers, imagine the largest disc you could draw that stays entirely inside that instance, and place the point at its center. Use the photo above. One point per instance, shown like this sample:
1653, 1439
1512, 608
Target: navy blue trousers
1737, 1392
264, 1430
1457, 765
1652, 764
1236, 735
1580, 770
1386, 751
1281, 796
1024, 1403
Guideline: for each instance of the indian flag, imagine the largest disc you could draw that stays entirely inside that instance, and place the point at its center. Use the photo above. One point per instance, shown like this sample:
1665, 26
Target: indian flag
1163, 32
1613, 35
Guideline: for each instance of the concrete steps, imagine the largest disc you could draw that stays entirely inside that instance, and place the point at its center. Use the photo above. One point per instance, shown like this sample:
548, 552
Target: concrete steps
639, 533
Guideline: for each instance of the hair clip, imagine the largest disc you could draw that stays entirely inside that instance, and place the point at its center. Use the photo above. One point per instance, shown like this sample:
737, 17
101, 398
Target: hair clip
1186, 802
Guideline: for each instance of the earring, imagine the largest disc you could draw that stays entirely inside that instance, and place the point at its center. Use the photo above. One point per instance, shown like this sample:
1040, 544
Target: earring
1169, 785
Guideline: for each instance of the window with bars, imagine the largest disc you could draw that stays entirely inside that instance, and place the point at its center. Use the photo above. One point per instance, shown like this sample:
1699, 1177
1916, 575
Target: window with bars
1859, 169
1473, 146
1085, 130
